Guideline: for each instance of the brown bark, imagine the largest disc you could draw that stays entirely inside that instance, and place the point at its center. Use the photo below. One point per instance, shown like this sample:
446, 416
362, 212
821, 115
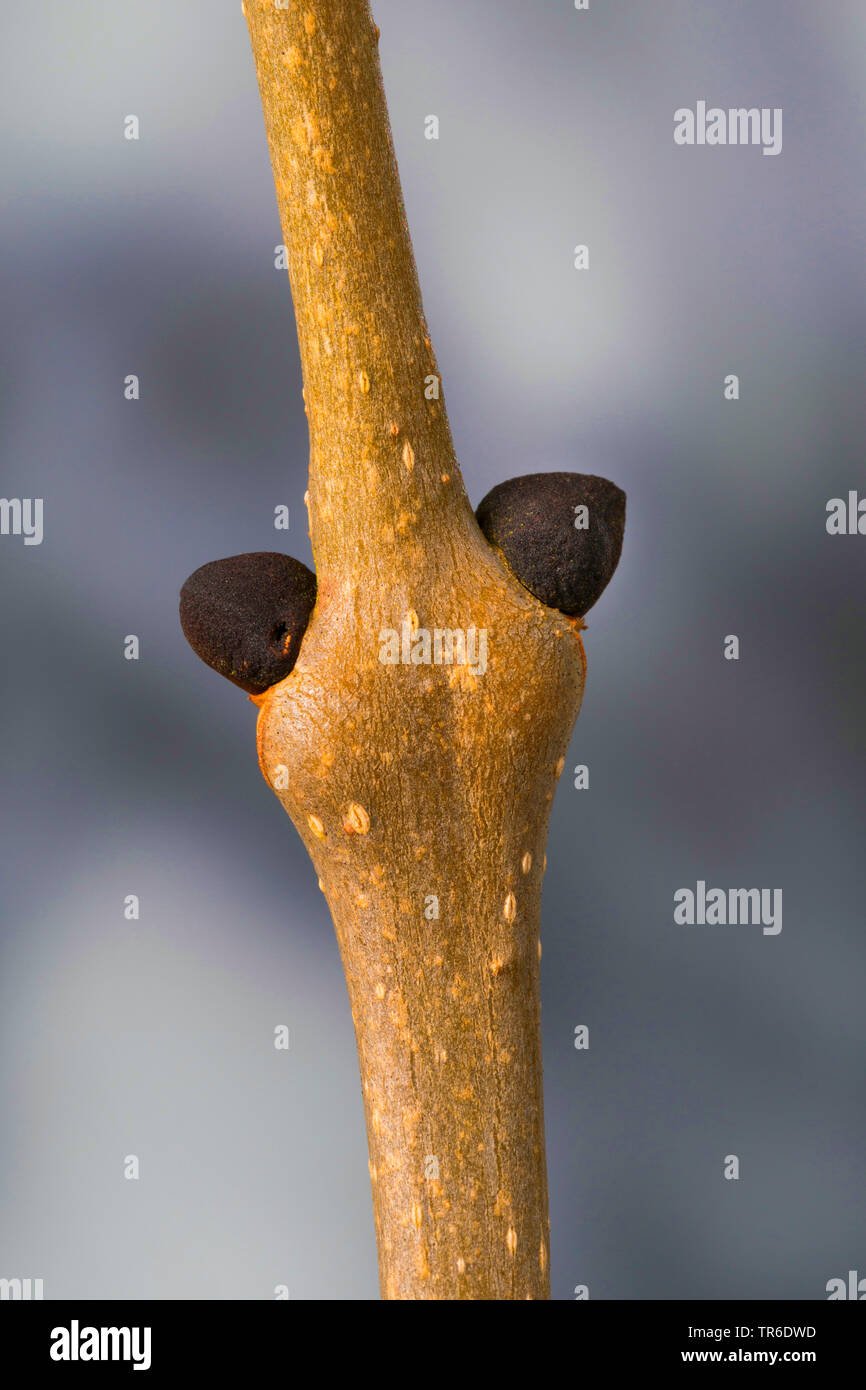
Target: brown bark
410, 780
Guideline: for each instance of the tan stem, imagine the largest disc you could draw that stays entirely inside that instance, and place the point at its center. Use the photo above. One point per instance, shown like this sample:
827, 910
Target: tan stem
378, 445
422, 790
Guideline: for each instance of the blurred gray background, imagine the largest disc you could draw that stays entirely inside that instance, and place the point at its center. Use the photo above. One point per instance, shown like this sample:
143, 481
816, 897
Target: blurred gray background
155, 1037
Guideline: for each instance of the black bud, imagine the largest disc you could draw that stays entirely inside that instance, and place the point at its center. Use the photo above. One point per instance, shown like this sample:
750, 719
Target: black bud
245, 616
532, 521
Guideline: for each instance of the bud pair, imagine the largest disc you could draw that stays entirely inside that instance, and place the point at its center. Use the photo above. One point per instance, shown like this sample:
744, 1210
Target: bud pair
560, 534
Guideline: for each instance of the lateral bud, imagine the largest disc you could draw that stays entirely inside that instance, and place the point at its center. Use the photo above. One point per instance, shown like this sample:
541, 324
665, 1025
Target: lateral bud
245, 616
559, 533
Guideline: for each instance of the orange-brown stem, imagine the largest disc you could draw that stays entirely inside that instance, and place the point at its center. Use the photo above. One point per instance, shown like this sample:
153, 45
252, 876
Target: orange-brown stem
422, 788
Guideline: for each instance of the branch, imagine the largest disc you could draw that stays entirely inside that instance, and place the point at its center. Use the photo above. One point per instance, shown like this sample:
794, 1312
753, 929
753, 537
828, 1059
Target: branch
416, 696
379, 449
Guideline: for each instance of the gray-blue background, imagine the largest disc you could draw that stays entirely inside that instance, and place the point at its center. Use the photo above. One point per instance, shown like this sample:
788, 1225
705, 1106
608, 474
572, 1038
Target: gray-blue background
156, 257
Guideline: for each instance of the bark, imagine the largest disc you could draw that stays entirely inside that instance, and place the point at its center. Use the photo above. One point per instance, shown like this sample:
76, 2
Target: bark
410, 782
